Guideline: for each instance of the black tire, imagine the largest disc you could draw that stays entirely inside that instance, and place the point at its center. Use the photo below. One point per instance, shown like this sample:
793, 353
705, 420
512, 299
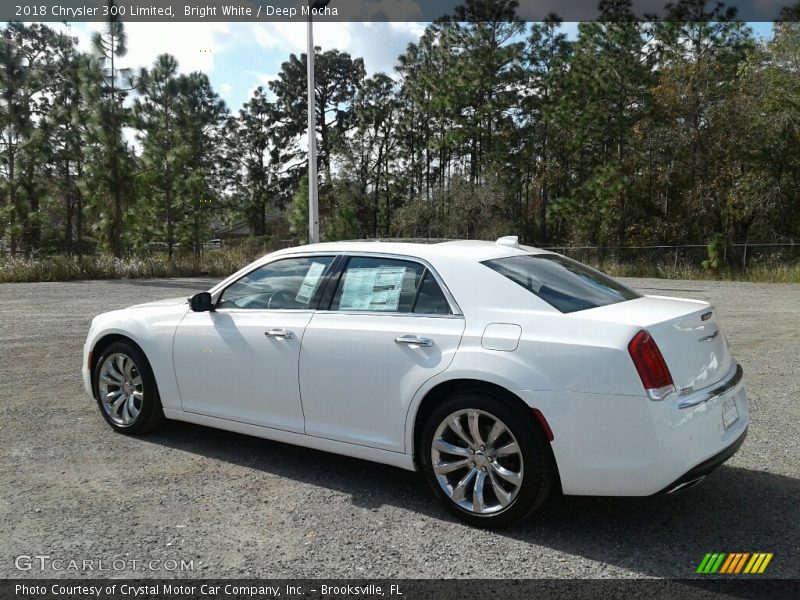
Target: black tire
539, 472
151, 414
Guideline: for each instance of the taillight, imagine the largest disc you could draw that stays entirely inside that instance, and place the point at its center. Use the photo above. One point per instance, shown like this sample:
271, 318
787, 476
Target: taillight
652, 368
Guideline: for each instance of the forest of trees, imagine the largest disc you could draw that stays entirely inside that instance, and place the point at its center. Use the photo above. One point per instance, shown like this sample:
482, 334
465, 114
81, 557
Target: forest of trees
630, 133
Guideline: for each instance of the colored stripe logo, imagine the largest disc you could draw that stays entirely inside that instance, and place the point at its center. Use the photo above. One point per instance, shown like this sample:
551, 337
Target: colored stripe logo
733, 563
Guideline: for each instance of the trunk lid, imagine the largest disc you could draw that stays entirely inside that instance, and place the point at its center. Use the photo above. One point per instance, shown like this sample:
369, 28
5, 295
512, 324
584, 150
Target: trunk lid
686, 332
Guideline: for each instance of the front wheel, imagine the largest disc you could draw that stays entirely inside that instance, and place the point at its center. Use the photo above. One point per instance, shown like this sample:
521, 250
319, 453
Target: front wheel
486, 461
125, 389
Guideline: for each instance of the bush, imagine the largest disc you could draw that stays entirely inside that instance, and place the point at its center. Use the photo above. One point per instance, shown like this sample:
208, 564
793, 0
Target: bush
220, 263
66, 268
715, 248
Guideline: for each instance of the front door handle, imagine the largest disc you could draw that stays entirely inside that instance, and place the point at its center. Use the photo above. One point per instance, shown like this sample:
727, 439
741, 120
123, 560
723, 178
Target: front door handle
281, 334
414, 340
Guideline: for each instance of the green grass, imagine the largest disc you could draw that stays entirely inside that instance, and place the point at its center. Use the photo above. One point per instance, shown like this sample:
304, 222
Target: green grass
221, 263
68, 268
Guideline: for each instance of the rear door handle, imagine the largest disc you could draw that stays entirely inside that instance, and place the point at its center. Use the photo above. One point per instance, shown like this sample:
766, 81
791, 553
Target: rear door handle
414, 340
282, 334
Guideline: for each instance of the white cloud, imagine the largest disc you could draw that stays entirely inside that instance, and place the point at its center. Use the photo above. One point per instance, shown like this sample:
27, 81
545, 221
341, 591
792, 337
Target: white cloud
378, 43
293, 37
251, 53
407, 28
226, 89
194, 45
381, 43
263, 80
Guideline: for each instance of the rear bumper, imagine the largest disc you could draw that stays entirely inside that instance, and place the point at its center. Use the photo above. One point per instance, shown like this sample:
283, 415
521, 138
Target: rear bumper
613, 445
698, 473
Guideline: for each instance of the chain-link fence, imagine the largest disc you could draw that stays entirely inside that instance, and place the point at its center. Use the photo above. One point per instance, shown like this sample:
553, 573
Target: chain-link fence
675, 257
685, 255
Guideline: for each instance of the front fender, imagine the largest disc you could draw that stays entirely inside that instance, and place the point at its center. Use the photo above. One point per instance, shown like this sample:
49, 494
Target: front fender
153, 330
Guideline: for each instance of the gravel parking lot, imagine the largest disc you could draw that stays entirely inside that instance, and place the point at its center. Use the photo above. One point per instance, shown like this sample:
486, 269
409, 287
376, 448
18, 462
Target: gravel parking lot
239, 506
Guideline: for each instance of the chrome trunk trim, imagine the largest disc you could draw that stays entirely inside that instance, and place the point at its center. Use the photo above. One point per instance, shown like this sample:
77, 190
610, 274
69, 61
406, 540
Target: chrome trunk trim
721, 389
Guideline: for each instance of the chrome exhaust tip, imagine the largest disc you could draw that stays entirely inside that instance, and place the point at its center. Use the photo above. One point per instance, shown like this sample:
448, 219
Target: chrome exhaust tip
687, 484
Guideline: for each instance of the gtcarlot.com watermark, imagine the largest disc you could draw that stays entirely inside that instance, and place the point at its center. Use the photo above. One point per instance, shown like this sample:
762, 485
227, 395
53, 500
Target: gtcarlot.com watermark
45, 562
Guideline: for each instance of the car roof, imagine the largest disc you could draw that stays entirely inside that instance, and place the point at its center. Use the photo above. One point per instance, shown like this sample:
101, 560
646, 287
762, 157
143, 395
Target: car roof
431, 250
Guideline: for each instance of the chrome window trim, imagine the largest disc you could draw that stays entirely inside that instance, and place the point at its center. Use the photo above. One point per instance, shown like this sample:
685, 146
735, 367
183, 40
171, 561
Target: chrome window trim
375, 313
455, 309
287, 311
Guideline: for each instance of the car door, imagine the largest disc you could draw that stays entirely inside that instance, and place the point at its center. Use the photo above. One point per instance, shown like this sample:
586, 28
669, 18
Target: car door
240, 361
388, 327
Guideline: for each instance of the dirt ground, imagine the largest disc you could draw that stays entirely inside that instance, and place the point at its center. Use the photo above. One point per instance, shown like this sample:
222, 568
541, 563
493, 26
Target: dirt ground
237, 506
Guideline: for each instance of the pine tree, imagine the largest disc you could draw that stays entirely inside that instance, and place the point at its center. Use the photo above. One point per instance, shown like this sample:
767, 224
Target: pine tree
337, 77
607, 92
65, 122
254, 153
202, 117
28, 75
109, 181
157, 116
298, 212
543, 161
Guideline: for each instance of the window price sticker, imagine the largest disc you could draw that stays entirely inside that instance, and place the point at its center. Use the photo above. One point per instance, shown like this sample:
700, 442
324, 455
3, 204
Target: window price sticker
372, 289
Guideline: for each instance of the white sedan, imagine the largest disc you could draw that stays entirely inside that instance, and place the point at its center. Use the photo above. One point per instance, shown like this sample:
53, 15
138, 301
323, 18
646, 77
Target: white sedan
501, 371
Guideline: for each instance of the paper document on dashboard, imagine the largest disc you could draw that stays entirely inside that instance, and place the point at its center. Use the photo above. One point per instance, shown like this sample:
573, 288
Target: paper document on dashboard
310, 282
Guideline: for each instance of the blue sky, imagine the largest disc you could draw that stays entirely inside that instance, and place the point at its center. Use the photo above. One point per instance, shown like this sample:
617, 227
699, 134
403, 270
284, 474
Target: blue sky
238, 57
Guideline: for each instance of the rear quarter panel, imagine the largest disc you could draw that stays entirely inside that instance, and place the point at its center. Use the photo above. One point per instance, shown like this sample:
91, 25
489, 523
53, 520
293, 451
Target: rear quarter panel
557, 357
557, 353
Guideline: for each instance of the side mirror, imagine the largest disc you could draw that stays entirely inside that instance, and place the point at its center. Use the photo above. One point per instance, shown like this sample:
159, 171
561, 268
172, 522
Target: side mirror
201, 302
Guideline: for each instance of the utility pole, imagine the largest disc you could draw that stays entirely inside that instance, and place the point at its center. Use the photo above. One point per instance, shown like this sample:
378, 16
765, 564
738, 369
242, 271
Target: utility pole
313, 192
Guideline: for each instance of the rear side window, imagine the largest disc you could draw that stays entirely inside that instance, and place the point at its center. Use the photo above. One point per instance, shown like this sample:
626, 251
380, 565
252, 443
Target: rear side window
430, 299
563, 283
376, 284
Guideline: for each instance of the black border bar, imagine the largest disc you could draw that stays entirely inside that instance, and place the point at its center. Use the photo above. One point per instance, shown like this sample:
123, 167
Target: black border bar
394, 10
708, 587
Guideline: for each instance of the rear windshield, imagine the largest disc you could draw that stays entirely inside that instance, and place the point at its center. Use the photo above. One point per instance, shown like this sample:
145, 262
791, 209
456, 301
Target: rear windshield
564, 283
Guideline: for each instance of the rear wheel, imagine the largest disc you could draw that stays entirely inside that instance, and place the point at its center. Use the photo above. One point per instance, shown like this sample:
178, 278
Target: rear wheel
125, 389
488, 463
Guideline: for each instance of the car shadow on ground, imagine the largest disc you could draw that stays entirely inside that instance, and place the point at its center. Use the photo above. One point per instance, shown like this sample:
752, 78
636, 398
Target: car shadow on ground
734, 510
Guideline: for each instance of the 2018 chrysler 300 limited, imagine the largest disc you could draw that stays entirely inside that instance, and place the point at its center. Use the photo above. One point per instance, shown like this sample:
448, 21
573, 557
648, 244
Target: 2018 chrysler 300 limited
501, 371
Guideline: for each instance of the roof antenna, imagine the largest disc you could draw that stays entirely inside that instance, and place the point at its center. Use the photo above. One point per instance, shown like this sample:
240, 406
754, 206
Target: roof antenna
511, 241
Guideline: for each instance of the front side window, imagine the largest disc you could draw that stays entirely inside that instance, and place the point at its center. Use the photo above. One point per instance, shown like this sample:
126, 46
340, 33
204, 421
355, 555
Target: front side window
373, 284
563, 283
290, 284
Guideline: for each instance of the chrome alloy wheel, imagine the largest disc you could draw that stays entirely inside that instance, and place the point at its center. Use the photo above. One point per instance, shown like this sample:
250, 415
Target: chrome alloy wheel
121, 388
477, 461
